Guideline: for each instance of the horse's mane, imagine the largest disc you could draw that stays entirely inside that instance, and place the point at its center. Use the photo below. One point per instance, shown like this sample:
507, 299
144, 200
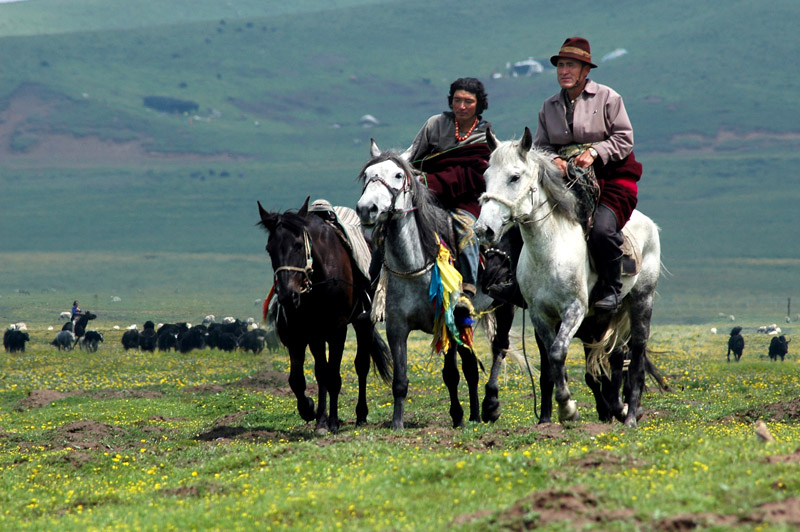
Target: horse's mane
565, 203
431, 218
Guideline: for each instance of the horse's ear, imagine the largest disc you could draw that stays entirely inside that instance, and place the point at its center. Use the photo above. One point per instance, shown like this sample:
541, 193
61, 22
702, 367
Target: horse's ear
267, 219
526, 143
374, 150
491, 140
304, 209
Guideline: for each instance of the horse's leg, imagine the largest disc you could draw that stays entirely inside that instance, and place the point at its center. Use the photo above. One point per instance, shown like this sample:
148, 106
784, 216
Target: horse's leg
363, 328
570, 322
297, 381
490, 409
397, 336
641, 311
545, 382
596, 385
318, 349
451, 377
469, 365
333, 377
610, 386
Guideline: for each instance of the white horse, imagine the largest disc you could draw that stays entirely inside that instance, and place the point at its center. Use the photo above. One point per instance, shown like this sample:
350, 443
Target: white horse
555, 277
410, 224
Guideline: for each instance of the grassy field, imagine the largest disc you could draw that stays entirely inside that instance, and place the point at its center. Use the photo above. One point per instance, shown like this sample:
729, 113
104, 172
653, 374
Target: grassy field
211, 440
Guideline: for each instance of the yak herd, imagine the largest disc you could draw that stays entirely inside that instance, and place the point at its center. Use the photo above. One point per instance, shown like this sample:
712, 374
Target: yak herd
229, 335
234, 334
778, 346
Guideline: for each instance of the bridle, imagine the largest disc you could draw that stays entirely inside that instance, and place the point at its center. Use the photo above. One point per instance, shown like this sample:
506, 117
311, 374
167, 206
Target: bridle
306, 270
393, 211
515, 217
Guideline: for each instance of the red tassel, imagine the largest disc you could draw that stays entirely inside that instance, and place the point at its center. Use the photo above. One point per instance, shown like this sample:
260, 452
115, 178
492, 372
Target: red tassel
265, 307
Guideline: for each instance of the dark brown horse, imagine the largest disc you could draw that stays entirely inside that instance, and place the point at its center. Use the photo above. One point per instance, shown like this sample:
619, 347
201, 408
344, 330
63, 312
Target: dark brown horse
321, 290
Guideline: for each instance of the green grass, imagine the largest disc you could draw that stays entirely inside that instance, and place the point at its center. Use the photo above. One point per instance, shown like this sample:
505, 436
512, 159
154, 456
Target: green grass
183, 441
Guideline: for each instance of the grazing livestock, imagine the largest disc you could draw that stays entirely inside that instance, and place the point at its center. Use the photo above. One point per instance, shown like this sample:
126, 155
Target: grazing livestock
64, 341
253, 340
14, 340
91, 340
735, 344
147, 338
227, 342
770, 329
194, 338
778, 347
167, 340
78, 326
130, 339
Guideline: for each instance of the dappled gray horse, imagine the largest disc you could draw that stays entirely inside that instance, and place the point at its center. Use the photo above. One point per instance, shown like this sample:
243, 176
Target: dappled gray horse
410, 225
555, 277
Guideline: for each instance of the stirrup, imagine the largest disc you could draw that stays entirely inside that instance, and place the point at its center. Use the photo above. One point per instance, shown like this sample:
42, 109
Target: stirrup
609, 303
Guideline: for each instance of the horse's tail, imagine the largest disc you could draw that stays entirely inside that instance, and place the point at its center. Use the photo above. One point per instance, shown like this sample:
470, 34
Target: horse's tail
652, 370
381, 356
616, 336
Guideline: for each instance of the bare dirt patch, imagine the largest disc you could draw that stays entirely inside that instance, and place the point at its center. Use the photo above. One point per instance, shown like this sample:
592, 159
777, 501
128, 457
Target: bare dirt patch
780, 411
578, 506
87, 435
793, 458
40, 398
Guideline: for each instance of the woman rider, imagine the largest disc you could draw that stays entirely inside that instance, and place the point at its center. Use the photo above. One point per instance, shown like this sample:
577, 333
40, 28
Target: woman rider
451, 152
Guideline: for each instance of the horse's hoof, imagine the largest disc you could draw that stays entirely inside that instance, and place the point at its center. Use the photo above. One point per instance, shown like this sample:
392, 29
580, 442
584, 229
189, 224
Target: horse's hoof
568, 411
631, 422
307, 412
490, 409
321, 431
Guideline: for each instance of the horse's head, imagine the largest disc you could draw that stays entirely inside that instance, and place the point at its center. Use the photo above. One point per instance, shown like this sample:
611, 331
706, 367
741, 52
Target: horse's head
388, 185
515, 186
289, 248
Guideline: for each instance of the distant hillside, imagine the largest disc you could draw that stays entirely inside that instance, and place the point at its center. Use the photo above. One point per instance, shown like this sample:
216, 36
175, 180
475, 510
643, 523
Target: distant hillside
280, 89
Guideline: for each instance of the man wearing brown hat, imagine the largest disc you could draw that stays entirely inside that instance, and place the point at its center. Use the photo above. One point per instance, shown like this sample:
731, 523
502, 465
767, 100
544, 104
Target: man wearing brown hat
586, 123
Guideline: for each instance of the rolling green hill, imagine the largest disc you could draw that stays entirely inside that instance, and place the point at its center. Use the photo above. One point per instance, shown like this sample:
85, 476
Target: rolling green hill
92, 179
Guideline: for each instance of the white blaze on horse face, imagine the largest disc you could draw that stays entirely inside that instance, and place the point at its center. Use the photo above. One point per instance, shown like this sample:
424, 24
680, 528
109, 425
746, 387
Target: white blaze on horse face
376, 198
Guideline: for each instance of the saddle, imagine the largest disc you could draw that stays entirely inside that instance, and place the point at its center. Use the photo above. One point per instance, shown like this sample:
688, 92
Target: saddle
348, 226
583, 183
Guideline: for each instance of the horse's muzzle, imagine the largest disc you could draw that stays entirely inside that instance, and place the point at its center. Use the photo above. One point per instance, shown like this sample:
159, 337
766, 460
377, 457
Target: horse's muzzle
485, 233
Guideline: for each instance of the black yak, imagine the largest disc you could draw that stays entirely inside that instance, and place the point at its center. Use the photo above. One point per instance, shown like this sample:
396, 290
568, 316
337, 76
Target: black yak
91, 339
130, 339
778, 347
735, 344
14, 340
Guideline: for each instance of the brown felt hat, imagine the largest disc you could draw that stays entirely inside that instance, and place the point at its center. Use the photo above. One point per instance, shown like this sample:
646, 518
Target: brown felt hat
575, 48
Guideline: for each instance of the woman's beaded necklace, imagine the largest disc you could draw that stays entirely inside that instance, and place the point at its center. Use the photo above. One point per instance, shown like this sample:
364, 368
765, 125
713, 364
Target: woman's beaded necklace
465, 137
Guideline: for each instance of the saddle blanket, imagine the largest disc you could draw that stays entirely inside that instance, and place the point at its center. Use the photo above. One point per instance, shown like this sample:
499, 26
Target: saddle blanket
350, 224
632, 254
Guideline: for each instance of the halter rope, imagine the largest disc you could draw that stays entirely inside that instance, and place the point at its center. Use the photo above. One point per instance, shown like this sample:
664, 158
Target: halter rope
306, 270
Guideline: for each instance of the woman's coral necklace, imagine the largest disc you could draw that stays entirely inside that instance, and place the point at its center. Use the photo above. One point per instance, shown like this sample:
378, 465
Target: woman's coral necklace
465, 137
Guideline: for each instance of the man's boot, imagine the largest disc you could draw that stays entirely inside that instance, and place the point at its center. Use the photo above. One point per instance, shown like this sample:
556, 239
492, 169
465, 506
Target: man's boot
606, 249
